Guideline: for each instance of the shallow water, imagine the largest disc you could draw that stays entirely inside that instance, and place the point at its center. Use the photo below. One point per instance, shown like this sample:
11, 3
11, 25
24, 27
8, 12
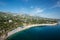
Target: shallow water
38, 33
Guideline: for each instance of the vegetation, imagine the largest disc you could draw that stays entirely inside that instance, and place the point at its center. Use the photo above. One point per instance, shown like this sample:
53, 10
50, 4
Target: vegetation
8, 21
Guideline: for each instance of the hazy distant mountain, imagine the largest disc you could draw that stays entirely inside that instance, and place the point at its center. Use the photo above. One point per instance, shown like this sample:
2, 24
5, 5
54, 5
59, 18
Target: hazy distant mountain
23, 15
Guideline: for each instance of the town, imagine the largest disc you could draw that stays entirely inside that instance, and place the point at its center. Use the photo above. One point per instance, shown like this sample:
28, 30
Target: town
9, 22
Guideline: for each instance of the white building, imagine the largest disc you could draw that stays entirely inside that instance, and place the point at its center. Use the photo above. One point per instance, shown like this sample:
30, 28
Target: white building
10, 21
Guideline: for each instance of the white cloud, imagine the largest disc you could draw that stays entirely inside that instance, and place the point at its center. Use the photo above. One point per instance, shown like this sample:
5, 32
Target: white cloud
2, 3
31, 7
22, 10
56, 5
33, 11
38, 10
26, 0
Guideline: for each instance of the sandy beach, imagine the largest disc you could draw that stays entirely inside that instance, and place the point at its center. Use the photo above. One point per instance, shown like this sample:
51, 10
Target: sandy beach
26, 27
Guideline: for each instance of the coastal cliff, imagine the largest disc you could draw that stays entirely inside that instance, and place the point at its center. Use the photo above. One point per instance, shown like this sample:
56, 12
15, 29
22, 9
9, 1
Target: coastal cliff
27, 27
9, 22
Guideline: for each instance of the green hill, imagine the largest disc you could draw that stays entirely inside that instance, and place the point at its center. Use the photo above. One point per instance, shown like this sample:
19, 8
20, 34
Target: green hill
9, 21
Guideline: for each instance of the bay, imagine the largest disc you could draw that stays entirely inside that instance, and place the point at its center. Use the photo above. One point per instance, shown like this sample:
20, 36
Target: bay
38, 33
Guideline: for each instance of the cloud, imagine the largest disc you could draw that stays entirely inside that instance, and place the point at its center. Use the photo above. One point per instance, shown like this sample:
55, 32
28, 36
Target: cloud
33, 11
38, 10
56, 5
31, 7
26, 0
2, 3
23, 10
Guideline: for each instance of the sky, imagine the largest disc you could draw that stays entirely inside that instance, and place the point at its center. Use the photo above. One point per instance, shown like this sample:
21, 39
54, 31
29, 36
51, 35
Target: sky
43, 8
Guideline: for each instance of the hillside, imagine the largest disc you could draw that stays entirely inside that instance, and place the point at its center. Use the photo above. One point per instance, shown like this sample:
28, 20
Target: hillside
9, 22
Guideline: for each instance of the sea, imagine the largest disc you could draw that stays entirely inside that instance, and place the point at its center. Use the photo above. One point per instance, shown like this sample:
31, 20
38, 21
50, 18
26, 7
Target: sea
38, 33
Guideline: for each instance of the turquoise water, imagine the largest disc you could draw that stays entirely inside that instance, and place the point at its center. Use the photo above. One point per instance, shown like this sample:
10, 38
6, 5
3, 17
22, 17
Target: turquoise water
38, 33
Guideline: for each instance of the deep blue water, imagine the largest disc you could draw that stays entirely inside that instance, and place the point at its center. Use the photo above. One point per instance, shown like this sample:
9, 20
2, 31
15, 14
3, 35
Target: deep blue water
38, 33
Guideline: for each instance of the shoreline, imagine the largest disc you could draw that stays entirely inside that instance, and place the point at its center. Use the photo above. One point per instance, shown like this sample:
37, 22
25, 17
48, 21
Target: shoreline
27, 27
